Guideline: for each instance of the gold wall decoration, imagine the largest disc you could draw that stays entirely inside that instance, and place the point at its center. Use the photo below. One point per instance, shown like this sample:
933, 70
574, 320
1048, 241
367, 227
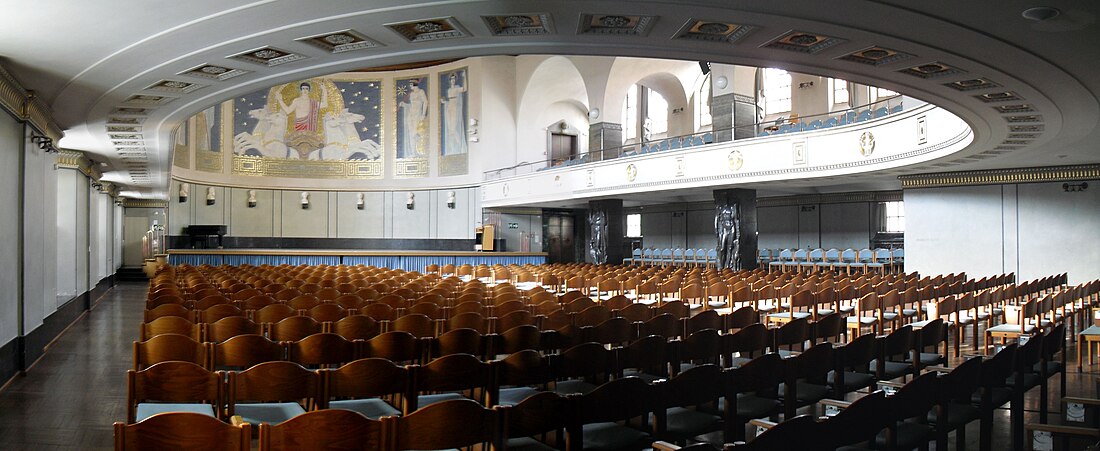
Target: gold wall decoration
281, 167
181, 152
208, 141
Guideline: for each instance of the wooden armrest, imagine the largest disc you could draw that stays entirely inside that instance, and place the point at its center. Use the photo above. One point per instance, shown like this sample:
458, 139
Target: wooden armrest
938, 369
1063, 430
237, 420
762, 423
664, 446
890, 384
835, 402
1085, 401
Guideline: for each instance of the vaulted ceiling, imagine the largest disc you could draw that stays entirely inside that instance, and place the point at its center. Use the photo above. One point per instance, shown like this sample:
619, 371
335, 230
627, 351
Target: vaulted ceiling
120, 74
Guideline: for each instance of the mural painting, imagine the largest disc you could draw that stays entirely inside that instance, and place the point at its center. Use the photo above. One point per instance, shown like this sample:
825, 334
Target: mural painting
181, 154
453, 116
411, 127
208, 143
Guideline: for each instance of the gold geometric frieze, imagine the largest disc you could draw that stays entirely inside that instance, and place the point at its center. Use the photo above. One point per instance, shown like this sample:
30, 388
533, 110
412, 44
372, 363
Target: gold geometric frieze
831, 198
317, 169
453, 164
1002, 176
208, 161
410, 167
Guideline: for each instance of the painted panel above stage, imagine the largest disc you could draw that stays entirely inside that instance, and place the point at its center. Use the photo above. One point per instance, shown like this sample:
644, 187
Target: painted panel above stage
354, 131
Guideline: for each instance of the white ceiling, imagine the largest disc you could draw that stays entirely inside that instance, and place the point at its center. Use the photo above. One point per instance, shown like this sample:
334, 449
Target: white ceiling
86, 59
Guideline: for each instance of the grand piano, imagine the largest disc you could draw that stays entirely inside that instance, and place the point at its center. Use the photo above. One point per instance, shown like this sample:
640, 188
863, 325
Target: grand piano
201, 234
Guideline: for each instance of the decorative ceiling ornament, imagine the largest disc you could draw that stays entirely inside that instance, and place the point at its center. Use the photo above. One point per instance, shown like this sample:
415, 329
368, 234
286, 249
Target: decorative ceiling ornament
174, 87
972, 84
631, 172
803, 42
615, 24
876, 56
146, 99
932, 70
130, 111
708, 31
1025, 128
268, 56
866, 144
124, 120
214, 72
519, 24
429, 29
1019, 108
341, 41
1003, 96
123, 129
1027, 118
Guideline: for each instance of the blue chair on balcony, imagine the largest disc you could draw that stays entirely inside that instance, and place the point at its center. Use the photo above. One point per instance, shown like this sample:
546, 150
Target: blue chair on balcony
647, 256
635, 257
850, 259
812, 259
831, 260
712, 258
689, 257
666, 257
866, 256
763, 257
880, 260
784, 257
898, 260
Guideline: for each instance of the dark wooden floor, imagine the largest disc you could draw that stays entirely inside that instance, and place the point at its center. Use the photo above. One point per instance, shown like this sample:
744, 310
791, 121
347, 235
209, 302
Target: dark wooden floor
69, 399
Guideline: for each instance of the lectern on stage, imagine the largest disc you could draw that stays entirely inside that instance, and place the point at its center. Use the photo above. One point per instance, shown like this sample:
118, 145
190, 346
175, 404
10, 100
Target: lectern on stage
484, 236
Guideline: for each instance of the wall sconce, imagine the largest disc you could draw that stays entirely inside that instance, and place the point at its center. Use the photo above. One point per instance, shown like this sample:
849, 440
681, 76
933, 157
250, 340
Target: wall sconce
97, 186
210, 196
305, 200
806, 84
1074, 187
472, 130
594, 113
185, 190
451, 200
721, 82
44, 143
360, 201
251, 198
410, 201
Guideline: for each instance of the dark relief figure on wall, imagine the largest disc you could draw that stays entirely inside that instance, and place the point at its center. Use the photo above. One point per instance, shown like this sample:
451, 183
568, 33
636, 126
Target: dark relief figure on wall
727, 227
597, 241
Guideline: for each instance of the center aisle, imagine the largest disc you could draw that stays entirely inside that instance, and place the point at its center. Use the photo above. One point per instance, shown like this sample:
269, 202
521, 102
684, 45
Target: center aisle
71, 397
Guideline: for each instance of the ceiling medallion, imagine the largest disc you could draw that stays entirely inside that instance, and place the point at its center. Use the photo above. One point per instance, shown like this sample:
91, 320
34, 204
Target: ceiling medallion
972, 84
631, 172
268, 56
124, 120
931, 70
1005, 96
175, 87
213, 72
735, 160
709, 31
123, 129
1020, 108
131, 111
876, 56
1025, 128
866, 144
615, 24
429, 29
519, 24
145, 99
800, 41
341, 41
1026, 118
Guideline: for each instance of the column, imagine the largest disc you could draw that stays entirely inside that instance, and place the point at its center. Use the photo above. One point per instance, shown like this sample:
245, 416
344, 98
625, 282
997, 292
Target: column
735, 227
604, 135
606, 229
734, 111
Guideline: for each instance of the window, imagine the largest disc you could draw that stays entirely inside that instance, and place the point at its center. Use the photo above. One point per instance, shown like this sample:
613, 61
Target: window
656, 113
630, 114
634, 225
895, 217
881, 93
840, 91
777, 91
703, 120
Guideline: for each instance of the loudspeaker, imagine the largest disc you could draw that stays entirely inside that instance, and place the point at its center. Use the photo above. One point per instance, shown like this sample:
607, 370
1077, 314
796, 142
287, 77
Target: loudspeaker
705, 67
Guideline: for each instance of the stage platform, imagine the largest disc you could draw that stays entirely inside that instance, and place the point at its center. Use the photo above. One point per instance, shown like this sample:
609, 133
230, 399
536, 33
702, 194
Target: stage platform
406, 260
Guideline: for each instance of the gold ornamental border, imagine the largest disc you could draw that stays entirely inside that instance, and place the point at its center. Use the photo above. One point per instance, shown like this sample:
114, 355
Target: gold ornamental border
323, 169
1002, 176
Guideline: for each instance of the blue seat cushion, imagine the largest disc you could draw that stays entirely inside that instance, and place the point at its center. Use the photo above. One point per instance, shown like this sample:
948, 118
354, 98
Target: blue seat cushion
686, 423
271, 413
148, 409
372, 408
528, 444
513, 396
573, 386
424, 400
611, 437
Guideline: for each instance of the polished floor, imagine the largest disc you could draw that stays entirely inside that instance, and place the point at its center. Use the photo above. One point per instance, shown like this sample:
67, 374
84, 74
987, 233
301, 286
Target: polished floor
69, 399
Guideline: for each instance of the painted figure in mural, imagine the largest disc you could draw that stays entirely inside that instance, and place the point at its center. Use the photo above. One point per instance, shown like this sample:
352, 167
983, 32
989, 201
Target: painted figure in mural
413, 111
597, 241
454, 119
342, 140
727, 227
305, 111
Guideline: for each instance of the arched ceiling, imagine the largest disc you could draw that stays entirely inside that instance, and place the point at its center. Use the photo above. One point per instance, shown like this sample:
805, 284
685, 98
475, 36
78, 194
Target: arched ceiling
1027, 88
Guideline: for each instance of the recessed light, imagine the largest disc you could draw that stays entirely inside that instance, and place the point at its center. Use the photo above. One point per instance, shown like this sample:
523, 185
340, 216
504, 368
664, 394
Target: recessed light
1040, 13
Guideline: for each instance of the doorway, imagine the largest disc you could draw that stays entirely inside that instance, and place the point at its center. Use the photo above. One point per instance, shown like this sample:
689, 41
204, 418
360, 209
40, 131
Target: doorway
558, 238
562, 147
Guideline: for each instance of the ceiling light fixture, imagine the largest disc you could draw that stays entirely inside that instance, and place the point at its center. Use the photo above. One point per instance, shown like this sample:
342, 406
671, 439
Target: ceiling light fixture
1041, 13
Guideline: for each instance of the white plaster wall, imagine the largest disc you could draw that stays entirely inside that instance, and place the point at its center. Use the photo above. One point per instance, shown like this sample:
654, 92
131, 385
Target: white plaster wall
11, 145
37, 301
846, 225
958, 229
1058, 231
66, 233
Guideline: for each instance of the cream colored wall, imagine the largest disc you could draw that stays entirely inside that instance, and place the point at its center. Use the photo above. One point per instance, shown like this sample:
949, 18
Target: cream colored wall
331, 214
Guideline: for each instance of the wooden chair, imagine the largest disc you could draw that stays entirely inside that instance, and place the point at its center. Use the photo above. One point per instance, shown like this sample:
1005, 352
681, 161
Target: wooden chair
605, 413
244, 351
168, 347
170, 325
520, 375
169, 310
746, 343
272, 392
418, 324
397, 346
185, 431
688, 403
230, 327
581, 368
327, 312
294, 328
458, 341
321, 350
456, 423
537, 415
751, 391
807, 378
379, 311
357, 327
173, 386
320, 430
373, 387
273, 313
442, 379
664, 325
646, 358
